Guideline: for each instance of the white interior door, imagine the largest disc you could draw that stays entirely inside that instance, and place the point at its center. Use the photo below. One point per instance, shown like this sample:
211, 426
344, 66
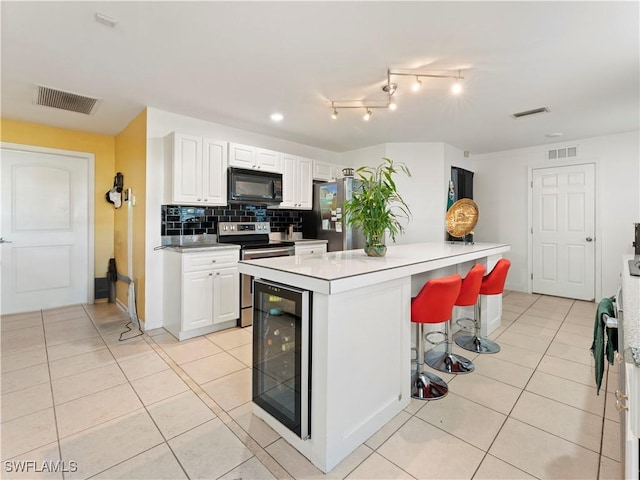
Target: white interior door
45, 216
564, 231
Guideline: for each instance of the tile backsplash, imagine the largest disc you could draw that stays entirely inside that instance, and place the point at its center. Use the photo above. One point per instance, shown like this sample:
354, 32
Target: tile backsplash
187, 220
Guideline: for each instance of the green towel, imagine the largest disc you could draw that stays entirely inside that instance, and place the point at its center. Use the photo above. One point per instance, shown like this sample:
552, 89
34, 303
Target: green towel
598, 346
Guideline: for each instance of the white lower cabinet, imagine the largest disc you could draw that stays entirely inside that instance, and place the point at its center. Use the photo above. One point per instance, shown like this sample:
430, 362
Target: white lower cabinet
226, 291
310, 249
197, 299
201, 292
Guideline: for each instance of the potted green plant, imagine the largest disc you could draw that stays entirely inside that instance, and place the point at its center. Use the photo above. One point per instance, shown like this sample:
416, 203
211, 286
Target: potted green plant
376, 206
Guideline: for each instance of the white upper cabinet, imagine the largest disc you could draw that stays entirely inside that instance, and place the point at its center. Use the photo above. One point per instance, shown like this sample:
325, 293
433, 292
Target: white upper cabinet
323, 171
186, 165
242, 156
268, 160
297, 182
214, 169
198, 170
288, 180
305, 176
253, 158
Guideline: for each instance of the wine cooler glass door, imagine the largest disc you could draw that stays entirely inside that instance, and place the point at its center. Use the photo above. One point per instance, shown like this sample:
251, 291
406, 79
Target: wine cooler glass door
281, 354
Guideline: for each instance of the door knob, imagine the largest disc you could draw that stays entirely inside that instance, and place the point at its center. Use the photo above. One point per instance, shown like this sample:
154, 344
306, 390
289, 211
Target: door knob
2, 240
589, 239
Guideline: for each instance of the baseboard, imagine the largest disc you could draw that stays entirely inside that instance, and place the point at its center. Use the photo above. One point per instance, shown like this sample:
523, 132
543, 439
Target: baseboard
122, 306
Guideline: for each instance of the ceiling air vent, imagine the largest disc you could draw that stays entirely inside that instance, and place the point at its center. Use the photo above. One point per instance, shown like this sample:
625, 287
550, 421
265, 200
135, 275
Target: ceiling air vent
526, 113
72, 102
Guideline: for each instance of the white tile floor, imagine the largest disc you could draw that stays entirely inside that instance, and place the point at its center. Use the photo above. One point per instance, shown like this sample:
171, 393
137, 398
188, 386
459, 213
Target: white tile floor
151, 407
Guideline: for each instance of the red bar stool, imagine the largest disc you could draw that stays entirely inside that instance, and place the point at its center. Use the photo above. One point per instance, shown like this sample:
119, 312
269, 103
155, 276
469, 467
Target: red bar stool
433, 304
492, 284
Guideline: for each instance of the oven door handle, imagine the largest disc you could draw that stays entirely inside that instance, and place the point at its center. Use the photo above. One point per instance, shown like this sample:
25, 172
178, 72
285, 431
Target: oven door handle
268, 252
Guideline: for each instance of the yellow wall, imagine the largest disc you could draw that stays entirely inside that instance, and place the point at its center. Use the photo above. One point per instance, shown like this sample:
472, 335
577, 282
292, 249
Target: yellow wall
131, 161
103, 147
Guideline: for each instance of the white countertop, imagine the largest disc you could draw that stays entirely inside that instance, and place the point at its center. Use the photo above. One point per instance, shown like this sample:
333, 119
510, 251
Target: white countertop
194, 243
340, 271
307, 241
202, 247
630, 310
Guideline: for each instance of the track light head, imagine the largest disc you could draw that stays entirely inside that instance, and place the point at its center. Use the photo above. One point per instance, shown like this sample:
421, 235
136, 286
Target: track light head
390, 88
456, 88
392, 106
367, 116
416, 86
334, 114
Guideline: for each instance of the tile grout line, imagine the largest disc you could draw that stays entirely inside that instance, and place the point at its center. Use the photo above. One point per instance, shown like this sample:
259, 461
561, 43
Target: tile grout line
508, 416
262, 455
528, 381
573, 303
245, 437
143, 407
53, 400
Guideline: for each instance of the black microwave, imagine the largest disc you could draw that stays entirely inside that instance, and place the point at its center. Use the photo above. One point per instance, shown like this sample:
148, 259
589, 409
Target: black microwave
252, 186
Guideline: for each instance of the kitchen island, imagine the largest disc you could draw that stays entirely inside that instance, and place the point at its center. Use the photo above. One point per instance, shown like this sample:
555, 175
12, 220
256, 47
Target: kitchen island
361, 334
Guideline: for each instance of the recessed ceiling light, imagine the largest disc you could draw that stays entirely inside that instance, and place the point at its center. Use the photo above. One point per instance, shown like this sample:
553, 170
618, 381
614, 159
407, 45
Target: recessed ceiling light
554, 135
277, 117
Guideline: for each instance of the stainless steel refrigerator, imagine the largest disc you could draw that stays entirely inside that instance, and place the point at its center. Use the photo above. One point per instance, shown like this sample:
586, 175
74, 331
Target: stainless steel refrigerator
326, 220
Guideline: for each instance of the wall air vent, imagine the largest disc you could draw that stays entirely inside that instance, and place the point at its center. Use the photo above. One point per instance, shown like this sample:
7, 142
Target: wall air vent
527, 113
562, 153
72, 102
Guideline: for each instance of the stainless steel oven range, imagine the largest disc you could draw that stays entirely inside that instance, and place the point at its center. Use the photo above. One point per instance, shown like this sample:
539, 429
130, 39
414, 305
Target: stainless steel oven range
253, 238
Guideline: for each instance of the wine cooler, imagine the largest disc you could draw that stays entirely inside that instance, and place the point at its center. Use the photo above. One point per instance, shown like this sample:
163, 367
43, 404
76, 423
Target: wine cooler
282, 354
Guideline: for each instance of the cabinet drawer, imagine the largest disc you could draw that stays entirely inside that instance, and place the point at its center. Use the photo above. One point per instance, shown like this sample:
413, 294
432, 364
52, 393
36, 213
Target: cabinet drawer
311, 249
203, 261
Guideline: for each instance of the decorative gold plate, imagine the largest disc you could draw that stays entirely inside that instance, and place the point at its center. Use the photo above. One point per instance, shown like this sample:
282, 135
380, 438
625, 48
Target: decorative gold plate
462, 217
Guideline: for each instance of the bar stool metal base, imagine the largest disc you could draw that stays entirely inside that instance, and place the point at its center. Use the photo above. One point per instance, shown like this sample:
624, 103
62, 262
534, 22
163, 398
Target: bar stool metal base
448, 362
427, 386
477, 344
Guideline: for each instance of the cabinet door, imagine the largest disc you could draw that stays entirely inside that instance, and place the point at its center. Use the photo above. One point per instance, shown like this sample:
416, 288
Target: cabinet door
242, 156
268, 160
187, 169
305, 184
197, 300
289, 181
226, 294
322, 171
214, 172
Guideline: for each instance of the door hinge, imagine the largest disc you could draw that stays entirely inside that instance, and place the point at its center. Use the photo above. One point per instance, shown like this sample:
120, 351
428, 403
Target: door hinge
531, 183
531, 230
532, 276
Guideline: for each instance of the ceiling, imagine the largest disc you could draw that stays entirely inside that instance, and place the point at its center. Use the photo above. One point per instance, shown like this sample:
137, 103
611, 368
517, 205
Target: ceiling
235, 63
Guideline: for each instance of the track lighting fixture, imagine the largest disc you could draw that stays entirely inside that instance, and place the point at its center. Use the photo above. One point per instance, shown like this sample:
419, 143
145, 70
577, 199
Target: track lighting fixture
390, 88
456, 88
334, 114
